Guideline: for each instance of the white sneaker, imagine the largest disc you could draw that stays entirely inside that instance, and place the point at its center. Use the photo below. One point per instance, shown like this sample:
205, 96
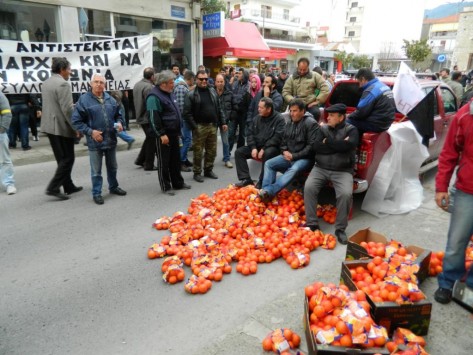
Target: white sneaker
228, 164
11, 190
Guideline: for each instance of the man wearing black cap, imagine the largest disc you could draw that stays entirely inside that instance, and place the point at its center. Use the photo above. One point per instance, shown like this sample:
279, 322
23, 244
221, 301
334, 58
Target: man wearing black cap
334, 148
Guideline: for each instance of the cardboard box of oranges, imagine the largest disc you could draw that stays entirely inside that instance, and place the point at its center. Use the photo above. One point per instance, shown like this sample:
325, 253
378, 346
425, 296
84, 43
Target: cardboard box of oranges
366, 243
413, 313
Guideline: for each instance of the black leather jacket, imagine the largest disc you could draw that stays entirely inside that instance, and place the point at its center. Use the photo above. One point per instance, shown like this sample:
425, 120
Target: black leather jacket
192, 108
299, 137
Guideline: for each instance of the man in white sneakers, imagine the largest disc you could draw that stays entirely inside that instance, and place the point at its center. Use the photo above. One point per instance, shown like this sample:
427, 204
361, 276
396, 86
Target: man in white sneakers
6, 165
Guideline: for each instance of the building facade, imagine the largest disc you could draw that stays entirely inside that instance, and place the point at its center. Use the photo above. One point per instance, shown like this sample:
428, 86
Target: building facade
463, 51
171, 22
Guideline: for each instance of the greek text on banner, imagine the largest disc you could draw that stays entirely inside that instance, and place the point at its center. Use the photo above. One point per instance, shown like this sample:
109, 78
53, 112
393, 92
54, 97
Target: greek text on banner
24, 66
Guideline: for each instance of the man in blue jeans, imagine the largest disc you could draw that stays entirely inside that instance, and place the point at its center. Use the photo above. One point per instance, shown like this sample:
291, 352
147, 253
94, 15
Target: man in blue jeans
457, 151
297, 151
97, 116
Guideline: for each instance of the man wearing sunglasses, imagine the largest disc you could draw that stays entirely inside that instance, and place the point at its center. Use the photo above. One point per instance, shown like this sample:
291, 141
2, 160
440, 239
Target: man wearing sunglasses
203, 114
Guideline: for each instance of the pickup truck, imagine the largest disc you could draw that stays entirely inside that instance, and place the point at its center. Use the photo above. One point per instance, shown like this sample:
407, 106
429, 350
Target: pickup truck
374, 145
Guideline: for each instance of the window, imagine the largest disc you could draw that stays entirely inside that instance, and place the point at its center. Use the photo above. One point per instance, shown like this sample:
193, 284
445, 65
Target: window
449, 100
98, 24
286, 14
171, 44
352, 19
31, 22
265, 11
351, 33
354, 4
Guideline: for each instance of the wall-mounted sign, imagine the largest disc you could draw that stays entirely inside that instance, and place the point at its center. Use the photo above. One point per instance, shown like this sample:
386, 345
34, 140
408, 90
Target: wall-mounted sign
441, 58
213, 25
178, 11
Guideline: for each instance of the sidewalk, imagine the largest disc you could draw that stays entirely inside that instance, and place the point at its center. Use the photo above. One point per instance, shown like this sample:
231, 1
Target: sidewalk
41, 151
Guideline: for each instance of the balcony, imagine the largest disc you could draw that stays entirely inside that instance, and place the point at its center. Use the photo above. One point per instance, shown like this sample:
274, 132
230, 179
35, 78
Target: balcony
289, 38
274, 17
288, 3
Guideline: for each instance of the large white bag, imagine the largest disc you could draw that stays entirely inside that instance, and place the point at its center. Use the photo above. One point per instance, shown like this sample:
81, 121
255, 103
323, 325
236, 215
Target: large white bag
396, 188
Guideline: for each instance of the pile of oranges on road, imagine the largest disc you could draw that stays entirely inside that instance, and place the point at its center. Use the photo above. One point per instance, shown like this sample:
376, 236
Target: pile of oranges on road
235, 225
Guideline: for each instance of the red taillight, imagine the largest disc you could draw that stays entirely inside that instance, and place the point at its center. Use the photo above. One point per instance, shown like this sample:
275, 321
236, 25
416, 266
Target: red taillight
364, 155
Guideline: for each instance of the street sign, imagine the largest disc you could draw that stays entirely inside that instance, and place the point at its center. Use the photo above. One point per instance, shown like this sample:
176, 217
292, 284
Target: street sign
441, 58
213, 25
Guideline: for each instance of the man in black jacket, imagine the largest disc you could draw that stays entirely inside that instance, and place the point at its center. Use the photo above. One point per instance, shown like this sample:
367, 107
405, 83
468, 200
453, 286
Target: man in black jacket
203, 113
297, 150
263, 141
241, 93
227, 102
335, 147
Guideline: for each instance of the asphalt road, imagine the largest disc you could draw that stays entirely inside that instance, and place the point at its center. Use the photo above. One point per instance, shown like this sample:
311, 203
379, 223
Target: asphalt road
75, 278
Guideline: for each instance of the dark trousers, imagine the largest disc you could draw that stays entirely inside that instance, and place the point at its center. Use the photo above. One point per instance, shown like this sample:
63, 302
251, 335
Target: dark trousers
148, 150
169, 164
244, 153
63, 149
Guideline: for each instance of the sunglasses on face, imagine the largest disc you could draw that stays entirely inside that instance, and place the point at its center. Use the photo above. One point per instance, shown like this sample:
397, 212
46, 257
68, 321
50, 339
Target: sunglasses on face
202, 79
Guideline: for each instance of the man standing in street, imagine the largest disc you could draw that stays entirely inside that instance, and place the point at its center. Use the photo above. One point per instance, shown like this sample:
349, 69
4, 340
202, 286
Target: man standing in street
456, 86
181, 88
308, 86
264, 138
334, 147
282, 77
97, 116
203, 114
141, 90
6, 165
297, 151
56, 122
227, 103
165, 120
376, 109
241, 94
457, 151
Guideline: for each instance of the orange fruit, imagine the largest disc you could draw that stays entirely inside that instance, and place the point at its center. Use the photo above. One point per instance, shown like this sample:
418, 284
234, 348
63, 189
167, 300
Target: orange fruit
267, 344
346, 341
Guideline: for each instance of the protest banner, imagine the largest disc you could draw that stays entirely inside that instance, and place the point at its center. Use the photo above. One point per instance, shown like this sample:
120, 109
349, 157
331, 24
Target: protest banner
24, 66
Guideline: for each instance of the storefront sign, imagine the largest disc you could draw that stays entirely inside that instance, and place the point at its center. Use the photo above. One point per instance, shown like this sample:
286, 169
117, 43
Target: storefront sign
213, 25
25, 65
178, 11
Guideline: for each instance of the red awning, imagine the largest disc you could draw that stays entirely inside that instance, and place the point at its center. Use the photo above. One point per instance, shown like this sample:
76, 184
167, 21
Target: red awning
242, 40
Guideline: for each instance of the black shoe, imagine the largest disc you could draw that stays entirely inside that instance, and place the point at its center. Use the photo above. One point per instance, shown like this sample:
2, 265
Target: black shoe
188, 163
198, 178
57, 194
259, 185
264, 196
185, 168
169, 192
26, 148
74, 189
243, 183
151, 169
210, 174
314, 228
139, 164
98, 200
443, 295
341, 236
118, 191
184, 187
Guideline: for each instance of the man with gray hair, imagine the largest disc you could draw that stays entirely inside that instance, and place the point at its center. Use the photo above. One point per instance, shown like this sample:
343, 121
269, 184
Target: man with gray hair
165, 121
97, 115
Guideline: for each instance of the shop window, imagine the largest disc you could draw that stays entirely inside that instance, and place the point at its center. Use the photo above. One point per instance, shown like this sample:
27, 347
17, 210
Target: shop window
351, 33
98, 24
28, 22
171, 44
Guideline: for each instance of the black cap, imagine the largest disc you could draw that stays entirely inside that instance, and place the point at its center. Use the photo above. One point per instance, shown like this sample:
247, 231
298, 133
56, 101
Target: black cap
339, 108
